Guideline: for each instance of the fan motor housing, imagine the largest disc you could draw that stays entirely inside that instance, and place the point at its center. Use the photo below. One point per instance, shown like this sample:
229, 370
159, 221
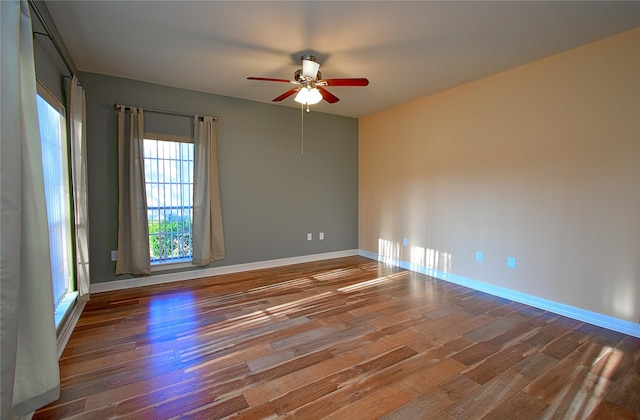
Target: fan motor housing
300, 78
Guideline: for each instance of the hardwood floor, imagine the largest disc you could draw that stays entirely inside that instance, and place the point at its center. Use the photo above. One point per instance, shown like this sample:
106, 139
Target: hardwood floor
348, 338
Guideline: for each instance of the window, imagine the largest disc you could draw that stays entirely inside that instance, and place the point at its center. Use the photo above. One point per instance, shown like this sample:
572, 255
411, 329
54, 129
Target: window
55, 161
168, 165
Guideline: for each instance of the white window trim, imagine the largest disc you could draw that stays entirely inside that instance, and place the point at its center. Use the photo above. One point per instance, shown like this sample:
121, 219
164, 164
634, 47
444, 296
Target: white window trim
165, 266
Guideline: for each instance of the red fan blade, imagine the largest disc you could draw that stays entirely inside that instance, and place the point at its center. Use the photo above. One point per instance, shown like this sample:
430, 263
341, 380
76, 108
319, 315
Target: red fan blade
286, 94
328, 96
347, 82
269, 79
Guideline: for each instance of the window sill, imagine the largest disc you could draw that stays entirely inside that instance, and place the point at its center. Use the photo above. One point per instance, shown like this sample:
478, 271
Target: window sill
63, 307
157, 267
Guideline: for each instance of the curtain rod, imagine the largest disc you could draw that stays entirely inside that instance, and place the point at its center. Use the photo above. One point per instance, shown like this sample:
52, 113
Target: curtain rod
160, 111
49, 35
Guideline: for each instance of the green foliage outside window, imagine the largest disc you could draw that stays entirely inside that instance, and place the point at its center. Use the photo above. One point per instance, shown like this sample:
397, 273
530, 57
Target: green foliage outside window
171, 238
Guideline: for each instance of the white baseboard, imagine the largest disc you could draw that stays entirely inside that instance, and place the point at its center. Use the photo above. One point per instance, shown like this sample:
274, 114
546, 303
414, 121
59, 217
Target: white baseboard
604, 321
214, 271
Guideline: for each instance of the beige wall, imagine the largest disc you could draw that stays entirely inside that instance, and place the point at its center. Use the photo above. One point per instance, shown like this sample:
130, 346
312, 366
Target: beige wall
540, 162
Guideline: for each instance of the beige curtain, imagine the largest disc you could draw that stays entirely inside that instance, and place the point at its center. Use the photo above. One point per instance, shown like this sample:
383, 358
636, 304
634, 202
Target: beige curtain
77, 133
29, 375
208, 235
133, 227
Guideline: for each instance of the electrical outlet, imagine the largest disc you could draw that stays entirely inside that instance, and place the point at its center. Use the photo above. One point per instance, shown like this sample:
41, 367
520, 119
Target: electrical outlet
511, 262
114, 255
309, 236
405, 242
479, 256
321, 236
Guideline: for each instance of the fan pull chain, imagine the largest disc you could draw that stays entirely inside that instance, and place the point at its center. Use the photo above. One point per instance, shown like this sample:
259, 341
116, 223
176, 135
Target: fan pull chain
302, 125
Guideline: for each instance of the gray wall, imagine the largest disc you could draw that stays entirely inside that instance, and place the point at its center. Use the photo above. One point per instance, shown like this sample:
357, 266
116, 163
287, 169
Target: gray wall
271, 193
49, 71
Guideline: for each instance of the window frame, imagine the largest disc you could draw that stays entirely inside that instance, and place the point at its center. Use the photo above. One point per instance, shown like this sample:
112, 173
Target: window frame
65, 301
162, 265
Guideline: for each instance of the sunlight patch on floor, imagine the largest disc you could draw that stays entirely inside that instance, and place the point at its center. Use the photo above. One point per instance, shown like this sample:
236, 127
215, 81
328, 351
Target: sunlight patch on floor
366, 284
282, 285
593, 387
334, 274
297, 303
239, 323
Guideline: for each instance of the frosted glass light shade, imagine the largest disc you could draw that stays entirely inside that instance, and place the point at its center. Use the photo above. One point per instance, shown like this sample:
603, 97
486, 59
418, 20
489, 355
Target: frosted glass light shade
314, 96
308, 96
302, 96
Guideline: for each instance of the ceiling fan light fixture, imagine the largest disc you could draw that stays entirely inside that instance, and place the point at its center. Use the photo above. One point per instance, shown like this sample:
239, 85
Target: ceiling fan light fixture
310, 84
308, 96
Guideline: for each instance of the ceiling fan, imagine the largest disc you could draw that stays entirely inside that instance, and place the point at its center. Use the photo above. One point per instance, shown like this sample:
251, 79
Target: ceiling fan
310, 84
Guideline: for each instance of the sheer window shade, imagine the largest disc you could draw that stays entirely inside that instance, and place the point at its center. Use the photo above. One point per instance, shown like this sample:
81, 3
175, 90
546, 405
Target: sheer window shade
53, 135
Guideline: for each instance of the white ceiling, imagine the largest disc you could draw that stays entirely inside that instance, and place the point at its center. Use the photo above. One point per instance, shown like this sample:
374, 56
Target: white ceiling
406, 49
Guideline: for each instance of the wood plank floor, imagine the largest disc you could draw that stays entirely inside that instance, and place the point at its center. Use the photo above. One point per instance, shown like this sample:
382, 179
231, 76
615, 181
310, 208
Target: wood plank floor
348, 338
